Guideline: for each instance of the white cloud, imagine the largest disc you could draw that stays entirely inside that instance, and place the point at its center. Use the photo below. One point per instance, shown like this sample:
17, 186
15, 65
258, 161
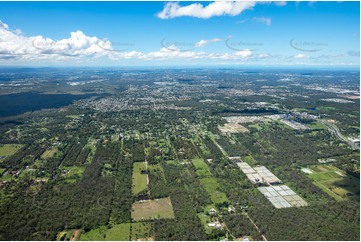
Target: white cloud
301, 56
263, 55
263, 20
280, 3
244, 53
206, 42
14, 44
3, 25
218, 8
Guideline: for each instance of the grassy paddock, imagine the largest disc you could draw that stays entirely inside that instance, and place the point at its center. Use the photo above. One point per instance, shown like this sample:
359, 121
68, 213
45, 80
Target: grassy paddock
211, 185
8, 150
149, 209
118, 232
141, 231
202, 168
139, 180
335, 182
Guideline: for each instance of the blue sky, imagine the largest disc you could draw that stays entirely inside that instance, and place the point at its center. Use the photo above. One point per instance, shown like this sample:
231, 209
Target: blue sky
180, 33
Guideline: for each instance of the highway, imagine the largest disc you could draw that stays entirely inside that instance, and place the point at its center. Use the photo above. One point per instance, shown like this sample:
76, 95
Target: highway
336, 131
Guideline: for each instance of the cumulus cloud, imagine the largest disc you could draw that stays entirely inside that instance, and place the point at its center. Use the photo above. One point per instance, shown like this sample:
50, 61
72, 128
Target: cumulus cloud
244, 53
13, 43
3, 25
202, 43
301, 56
263, 20
197, 10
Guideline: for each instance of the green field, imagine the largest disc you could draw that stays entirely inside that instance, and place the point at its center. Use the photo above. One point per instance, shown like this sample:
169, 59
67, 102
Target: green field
72, 173
202, 168
250, 160
141, 231
139, 180
205, 219
211, 185
118, 232
64, 235
8, 150
49, 153
157, 169
149, 209
172, 162
335, 182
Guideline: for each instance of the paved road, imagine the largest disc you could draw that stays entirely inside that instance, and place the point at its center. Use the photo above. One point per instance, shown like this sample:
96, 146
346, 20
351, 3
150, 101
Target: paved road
336, 131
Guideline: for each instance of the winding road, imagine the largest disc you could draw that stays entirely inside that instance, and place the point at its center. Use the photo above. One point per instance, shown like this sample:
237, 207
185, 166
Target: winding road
336, 131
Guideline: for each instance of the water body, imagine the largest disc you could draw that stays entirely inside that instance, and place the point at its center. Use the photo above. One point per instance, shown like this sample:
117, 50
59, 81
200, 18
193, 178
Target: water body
19, 103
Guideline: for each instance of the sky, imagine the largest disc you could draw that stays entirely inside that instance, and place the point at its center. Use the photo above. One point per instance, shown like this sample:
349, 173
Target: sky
247, 33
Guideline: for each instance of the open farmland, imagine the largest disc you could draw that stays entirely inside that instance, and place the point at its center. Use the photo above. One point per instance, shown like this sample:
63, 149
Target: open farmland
49, 153
229, 128
211, 185
139, 177
153, 209
8, 150
335, 182
117, 232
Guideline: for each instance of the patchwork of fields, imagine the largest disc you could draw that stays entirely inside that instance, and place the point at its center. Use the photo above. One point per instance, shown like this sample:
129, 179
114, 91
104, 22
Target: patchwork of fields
335, 182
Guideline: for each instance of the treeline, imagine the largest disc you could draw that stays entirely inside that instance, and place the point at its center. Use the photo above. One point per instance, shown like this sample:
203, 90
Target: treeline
87, 204
186, 225
122, 197
73, 153
322, 222
239, 225
157, 184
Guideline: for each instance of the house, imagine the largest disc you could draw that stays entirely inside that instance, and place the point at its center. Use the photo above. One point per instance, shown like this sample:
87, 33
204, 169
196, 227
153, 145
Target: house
216, 225
212, 211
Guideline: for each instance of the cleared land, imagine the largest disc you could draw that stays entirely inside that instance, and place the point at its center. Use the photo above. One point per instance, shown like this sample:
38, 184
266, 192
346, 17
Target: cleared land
141, 231
232, 128
149, 209
119, 232
8, 150
335, 182
72, 173
211, 185
202, 168
49, 153
139, 179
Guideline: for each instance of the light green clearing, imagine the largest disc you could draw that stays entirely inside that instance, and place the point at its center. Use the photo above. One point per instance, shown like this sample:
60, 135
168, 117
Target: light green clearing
149, 209
8, 149
202, 168
211, 185
71, 173
66, 234
139, 180
316, 125
141, 231
250, 160
334, 181
119, 232
205, 219
49, 153
157, 169
72, 116
172, 162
